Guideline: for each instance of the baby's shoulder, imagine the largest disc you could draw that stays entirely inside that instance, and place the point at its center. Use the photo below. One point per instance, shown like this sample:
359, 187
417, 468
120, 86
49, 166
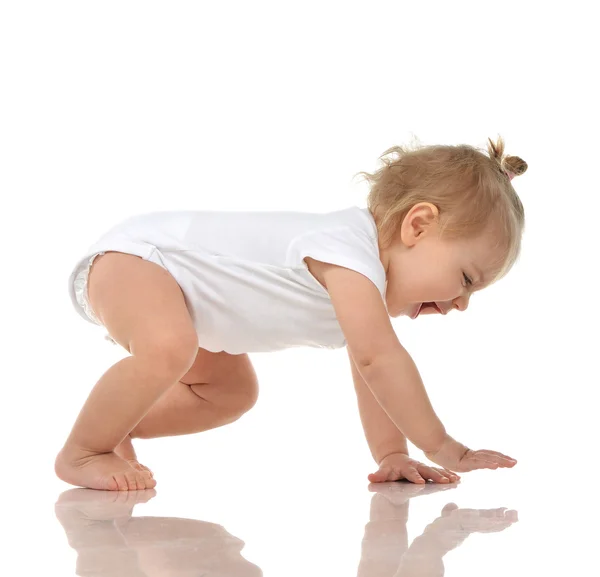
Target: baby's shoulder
353, 216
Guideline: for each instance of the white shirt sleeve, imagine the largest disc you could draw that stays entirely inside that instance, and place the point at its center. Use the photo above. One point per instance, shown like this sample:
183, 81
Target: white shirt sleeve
346, 246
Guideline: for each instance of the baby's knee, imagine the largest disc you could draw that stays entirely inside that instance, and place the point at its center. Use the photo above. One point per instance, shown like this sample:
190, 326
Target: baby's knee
246, 401
238, 409
171, 355
241, 403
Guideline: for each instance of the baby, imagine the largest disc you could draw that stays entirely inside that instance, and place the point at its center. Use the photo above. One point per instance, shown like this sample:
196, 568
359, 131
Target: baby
189, 294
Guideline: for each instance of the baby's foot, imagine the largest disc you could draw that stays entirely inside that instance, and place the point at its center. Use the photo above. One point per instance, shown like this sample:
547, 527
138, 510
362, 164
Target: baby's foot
126, 451
104, 471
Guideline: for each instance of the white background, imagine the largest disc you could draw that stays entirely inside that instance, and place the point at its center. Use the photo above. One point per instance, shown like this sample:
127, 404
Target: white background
109, 109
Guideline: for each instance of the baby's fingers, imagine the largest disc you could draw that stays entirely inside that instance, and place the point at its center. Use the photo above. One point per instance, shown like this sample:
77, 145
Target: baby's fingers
485, 460
471, 464
438, 475
502, 460
495, 457
412, 474
386, 474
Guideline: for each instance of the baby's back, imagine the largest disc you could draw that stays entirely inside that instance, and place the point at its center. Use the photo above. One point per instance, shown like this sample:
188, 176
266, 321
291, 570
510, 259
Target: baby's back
253, 236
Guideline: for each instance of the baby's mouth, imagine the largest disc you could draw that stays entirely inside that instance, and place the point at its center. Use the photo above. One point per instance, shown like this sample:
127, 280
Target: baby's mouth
427, 308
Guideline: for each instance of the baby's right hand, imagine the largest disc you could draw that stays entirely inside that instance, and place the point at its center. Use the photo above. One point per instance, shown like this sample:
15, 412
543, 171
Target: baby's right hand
457, 457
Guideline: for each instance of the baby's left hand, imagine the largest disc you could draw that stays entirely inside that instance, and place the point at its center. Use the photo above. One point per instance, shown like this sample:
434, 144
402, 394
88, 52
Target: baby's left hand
400, 466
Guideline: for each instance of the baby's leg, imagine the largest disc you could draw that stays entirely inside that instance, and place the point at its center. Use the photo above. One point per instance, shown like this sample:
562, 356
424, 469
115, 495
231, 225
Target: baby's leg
144, 310
217, 390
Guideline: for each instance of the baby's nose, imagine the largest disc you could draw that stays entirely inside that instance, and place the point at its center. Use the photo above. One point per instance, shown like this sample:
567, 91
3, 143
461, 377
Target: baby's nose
461, 303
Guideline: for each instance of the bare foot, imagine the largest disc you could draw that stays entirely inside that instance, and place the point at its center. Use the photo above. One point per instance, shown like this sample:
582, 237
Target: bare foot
126, 451
104, 471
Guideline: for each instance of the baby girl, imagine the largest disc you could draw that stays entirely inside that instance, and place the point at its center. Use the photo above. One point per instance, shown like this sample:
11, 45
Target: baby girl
190, 293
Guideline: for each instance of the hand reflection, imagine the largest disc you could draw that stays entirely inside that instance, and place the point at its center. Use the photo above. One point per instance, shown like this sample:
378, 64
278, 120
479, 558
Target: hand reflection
385, 550
110, 542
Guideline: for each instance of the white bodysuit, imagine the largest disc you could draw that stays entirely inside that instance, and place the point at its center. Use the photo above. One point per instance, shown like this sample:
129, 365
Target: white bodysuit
242, 274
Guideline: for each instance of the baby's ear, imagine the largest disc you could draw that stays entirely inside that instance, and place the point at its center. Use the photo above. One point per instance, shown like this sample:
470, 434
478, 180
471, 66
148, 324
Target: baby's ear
420, 220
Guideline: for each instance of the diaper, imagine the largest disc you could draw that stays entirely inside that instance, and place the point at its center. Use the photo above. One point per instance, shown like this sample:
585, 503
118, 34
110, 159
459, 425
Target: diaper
81, 293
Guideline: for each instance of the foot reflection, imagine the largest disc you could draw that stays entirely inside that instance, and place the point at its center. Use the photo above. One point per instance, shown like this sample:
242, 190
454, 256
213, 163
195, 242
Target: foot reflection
110, 542
385, 550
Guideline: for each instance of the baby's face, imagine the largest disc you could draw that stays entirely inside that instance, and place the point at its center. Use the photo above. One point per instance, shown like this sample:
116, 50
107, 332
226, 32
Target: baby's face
429, 275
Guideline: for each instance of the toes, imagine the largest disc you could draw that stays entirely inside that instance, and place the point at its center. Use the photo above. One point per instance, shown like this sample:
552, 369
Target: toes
149, 480
138, 483
120, 481
141, 482
132, 480
112, 484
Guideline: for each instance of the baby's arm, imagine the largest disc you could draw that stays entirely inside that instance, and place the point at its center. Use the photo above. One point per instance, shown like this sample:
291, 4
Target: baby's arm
381, 360
383, 437
391, 374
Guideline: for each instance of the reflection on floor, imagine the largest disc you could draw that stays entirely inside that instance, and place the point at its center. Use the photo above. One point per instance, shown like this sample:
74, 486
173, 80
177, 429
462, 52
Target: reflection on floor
109, 540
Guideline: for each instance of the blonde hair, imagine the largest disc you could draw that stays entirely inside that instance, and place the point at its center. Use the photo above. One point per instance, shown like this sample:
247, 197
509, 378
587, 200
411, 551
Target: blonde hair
470, 189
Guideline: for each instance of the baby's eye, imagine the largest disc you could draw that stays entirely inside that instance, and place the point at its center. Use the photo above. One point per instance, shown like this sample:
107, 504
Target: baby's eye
467, 279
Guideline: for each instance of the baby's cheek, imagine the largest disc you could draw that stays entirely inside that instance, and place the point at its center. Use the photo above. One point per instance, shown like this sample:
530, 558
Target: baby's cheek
440, 290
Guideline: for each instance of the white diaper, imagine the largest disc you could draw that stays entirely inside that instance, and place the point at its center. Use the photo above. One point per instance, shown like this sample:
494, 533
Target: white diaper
81, 293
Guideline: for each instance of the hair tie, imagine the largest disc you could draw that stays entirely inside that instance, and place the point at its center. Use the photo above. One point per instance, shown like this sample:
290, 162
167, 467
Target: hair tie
510, 175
